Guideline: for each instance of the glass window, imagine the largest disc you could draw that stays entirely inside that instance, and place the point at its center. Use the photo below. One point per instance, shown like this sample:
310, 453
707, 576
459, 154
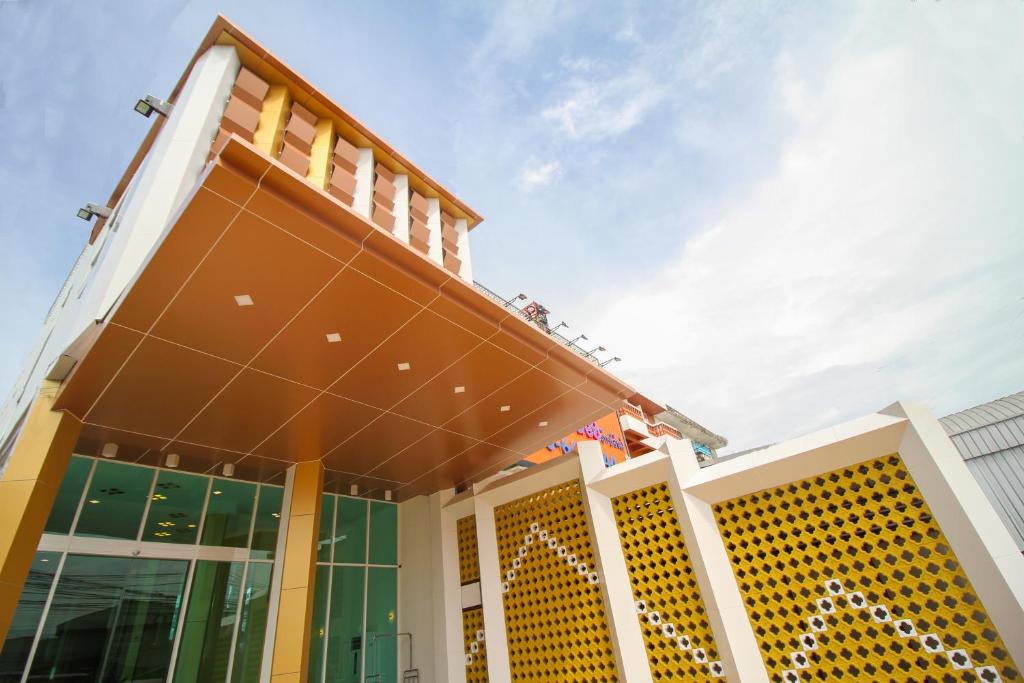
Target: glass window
176, 507
252, 626
323, 550
228, 513
115, 501
209, 622
345, 630
111, 619
381, 623
318, 629
268, 519
350, 531
14, 655
62, 514
383, 533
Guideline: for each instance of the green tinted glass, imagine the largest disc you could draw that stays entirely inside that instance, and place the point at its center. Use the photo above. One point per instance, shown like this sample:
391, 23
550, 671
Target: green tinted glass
229, 513
383, 533
323, 551
176, 507
318, 629
345, 629
252, 626
68, 495
115, 500
111, 619
381, 623
14, 655
268, 519
209, 622
350, 531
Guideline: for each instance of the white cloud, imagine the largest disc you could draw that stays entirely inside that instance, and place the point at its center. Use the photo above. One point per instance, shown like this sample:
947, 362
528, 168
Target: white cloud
596, 109
539, 174
879, 261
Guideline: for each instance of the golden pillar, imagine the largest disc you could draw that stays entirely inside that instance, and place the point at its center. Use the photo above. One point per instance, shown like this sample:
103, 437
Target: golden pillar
298, 576
28, 489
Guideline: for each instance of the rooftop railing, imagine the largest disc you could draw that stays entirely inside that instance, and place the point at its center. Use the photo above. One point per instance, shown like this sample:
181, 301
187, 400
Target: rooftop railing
509, 304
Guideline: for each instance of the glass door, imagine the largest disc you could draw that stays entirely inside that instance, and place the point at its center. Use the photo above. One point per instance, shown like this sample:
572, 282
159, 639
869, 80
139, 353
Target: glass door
111, 619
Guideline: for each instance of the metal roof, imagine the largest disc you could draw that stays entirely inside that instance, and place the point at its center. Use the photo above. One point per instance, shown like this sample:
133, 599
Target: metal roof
989, 428
990, 438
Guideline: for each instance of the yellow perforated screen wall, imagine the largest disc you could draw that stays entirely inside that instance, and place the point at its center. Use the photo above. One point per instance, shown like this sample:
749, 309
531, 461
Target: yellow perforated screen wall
680, 645
554, 614
472, 619
469, 562
846, 576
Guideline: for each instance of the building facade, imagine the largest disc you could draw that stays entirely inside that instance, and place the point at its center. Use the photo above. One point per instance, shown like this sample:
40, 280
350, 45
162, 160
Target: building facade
273, 430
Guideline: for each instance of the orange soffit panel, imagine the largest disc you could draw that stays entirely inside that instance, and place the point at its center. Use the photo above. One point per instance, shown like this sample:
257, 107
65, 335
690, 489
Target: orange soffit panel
273, 324
605, 430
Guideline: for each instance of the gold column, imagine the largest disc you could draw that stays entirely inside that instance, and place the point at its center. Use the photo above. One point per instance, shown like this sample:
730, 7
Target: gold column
270, 130
298, 575
320, 155
27, 491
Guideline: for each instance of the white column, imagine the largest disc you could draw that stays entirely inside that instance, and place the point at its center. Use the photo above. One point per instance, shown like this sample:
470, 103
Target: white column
496, 641
734, 636
401, 211
623, 625
362, 201
449, 655
981, 542
417, 543
462, 229
434, 225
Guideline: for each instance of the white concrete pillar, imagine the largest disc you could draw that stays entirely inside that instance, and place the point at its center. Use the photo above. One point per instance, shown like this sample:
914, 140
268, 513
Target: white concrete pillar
734, 636
362, 201
449, 658
462, 230
496, 641
401, 230
616, 589
434, 225
982, 544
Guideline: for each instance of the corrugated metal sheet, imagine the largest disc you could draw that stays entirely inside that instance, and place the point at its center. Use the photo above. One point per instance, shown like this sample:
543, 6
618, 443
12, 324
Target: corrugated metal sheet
990, 439
1001, 476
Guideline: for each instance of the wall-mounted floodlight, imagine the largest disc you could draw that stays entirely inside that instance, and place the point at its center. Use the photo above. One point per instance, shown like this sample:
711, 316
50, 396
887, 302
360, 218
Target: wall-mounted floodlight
582, 336
610, 360
519, 297
149, 104
559, 325
89, 210
592, 351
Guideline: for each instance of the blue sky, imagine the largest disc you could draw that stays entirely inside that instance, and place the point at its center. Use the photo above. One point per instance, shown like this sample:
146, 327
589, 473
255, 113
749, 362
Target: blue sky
780, 215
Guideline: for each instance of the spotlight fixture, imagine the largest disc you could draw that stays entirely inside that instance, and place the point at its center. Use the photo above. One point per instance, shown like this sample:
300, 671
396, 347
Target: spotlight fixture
582, 336
149, 104
109, 450
560, 325
353, 490
517, 297
89, 210
592, 351
229, 469
610, 360
387, 494
172, 460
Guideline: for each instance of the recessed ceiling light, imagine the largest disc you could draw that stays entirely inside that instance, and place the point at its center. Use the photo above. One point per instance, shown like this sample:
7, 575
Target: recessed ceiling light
460, 390
505, 409
243, 300
542, 424
333, 337
404, 366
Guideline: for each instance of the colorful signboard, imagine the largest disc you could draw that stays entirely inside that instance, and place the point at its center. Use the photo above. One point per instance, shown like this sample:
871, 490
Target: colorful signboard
605, 430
